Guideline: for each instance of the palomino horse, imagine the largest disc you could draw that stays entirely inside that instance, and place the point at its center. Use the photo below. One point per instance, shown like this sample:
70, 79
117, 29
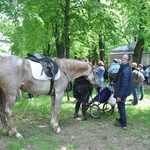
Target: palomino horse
15, 73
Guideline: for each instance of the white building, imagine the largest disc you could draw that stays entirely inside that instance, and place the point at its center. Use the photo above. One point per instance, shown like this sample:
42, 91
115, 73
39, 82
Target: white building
4, 46
121, 50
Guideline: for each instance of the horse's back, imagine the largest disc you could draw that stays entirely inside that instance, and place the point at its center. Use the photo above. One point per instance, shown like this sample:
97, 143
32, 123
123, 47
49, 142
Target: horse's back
10, 71
10, 60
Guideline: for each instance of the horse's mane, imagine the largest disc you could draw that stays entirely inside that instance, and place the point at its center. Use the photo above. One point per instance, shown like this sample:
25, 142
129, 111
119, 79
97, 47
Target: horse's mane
72, 64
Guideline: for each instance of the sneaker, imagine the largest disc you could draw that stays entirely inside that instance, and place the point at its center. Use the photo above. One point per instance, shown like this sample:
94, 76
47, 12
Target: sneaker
84, 118
132, 103
75, 116
135, 104
141, 99
124, 128
118, 124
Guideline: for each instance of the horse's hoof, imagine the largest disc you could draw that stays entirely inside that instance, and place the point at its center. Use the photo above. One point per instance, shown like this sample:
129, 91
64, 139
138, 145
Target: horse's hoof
18, 135
58, 130
14, 133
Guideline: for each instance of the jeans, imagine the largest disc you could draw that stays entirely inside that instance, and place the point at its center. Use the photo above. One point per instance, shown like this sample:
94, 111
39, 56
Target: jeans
146, 80
135, 93
141, 87
122, 111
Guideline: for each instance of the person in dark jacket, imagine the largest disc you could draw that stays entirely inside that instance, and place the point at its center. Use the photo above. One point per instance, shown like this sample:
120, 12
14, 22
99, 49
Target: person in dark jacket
81, 91
123, 84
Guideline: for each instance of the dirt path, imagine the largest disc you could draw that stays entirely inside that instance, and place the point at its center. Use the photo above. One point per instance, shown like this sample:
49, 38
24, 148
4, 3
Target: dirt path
101, 134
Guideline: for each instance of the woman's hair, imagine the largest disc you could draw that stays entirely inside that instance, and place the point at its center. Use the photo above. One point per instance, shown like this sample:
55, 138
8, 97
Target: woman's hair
100, 63
134, 64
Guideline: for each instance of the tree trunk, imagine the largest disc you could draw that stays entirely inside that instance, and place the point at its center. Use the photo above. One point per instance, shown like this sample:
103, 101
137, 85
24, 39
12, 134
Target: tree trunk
47, 50
66, 28
60, 50
59, 44
138, 51
101, 48
95, 55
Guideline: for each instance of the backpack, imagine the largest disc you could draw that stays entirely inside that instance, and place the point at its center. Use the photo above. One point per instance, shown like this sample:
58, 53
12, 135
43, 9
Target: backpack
139, 77
81, 87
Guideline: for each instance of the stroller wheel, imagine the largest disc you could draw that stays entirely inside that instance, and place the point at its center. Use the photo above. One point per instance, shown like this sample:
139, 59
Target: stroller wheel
95, 111
108, 109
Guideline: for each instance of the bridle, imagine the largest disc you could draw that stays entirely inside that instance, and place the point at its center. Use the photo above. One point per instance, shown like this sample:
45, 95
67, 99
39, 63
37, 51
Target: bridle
92, 71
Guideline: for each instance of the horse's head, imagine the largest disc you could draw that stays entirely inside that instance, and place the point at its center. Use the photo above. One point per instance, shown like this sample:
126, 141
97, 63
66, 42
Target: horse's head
93, 76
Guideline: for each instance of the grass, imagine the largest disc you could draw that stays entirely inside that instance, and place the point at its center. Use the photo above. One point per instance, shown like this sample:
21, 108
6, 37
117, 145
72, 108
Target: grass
32, 119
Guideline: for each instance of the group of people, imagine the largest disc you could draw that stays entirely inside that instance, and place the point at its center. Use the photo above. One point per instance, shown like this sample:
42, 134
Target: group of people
123, 77
136, 84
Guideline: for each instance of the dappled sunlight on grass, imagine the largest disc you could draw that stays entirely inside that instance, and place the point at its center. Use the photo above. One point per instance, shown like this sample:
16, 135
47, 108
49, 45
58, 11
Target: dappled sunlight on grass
139, 114
33, 122
36, 109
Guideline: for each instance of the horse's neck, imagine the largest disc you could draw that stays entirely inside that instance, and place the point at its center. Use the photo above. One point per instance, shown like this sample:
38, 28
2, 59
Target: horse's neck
76, 75
73, 68
73, 74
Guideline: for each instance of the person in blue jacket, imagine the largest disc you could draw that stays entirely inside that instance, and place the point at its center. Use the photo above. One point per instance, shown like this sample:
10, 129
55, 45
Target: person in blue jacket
113, 70
122, 86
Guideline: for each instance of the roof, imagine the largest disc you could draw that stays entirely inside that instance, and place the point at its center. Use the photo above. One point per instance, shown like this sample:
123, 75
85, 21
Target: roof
123, 49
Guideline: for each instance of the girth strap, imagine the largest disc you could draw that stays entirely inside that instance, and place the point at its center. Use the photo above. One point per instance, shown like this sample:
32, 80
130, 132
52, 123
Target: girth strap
51, 87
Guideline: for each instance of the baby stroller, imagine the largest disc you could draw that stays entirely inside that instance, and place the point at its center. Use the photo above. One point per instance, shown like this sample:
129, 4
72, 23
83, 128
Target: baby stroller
100, 102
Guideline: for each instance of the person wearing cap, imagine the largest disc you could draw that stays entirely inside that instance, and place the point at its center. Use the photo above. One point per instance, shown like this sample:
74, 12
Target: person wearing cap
113, 70
141, 87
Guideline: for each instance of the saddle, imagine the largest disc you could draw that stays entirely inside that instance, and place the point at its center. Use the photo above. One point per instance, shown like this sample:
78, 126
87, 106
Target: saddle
49, 66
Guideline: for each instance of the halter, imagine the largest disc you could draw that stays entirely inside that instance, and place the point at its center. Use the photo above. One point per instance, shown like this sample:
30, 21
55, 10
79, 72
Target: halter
93, 73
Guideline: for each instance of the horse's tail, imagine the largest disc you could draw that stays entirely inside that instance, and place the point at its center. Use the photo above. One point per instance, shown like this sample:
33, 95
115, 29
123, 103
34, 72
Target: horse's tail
2, 112
2, 105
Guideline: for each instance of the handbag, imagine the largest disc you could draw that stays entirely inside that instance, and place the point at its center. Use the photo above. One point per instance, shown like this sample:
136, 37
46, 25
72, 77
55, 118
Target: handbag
112, 101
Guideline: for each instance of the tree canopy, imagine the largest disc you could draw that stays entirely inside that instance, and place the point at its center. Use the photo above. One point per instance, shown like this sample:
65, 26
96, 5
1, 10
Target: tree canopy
71, 28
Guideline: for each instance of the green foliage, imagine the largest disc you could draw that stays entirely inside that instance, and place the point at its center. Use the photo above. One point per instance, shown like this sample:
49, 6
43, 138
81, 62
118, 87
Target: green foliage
135, 20
33, 25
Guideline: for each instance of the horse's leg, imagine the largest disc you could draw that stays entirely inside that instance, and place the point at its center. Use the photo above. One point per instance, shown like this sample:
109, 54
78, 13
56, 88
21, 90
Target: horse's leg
2, 113
56, 101
10, 100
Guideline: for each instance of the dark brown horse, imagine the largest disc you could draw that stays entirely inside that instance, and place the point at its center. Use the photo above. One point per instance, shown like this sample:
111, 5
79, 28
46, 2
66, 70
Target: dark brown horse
15, 74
